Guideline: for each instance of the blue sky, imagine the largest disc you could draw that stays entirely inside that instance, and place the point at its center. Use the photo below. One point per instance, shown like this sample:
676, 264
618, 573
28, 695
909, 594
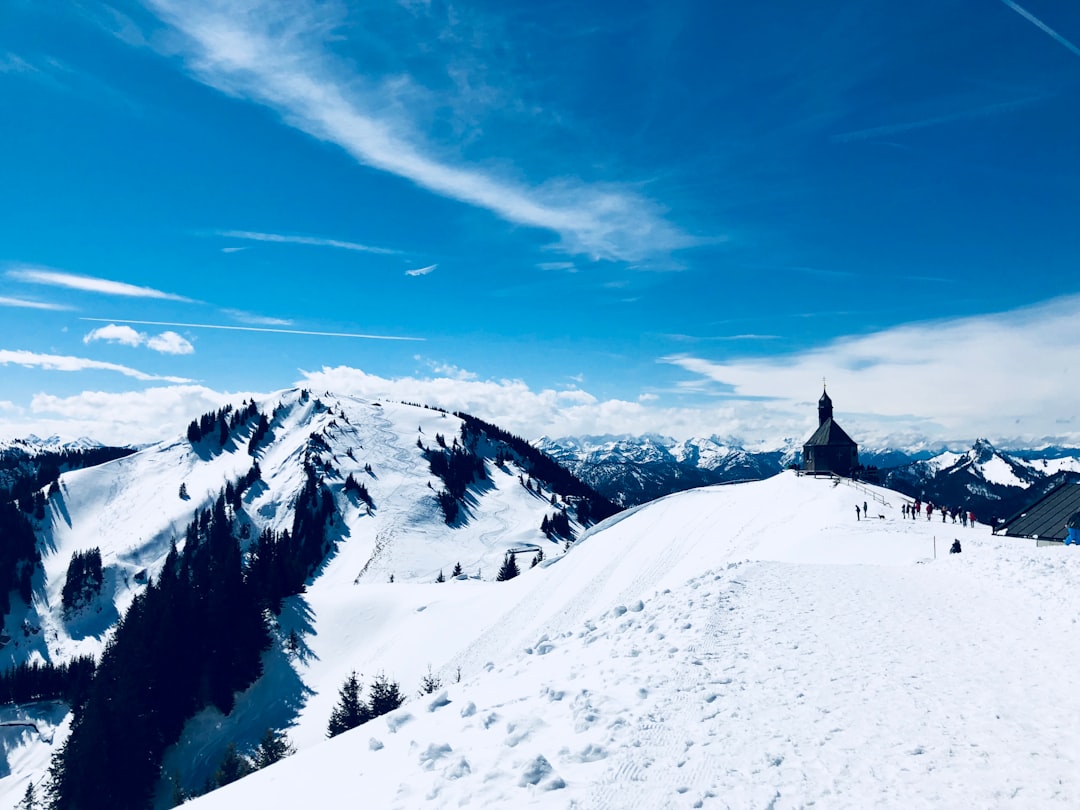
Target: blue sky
565, 217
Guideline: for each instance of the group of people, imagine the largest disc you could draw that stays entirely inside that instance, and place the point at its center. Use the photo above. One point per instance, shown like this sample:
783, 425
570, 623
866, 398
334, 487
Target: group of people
913, 510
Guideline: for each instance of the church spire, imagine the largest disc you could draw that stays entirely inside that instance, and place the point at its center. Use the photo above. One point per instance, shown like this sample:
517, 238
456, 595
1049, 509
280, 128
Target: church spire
824, 407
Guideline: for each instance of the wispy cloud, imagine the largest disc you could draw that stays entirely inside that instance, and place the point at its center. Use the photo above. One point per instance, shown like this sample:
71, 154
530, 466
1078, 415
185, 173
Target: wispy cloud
251, 329
256, 320
165, 343
56, 278
13, 63
1031, 18
22, 302
57, 362
275, 55
315, 241
421, 271
961, 115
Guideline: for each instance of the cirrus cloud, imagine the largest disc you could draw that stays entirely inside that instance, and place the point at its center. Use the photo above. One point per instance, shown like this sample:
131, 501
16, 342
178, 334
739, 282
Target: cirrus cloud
72, 281
59, 362
278, 56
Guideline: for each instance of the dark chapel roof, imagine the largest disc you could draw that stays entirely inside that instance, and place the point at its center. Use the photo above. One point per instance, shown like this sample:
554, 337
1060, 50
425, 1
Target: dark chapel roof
829, 432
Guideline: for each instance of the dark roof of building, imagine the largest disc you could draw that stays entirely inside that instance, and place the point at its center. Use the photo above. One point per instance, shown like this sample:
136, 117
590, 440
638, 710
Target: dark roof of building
1046, 518
829, 432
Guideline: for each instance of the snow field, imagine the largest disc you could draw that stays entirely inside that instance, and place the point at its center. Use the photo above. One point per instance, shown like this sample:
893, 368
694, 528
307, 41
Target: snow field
744, 646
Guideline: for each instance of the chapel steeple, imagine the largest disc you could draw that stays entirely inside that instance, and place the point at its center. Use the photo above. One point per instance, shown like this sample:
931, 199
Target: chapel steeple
824, 407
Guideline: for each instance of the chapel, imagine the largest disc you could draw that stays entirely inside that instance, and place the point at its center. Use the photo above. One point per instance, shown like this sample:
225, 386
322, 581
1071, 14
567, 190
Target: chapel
830, 449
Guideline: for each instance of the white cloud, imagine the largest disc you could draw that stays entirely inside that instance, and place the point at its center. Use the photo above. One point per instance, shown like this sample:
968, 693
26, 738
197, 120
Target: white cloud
276, 55
165, 343
57, 362
421, 271
124, 335
316, 241
1027, 15
1009, 376
131, 417
515, 406
170, 343
256, 320
227, 328
55, 278
23, 303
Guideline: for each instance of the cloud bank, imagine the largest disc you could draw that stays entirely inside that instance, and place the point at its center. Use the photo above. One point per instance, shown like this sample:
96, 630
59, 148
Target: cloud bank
1009, 377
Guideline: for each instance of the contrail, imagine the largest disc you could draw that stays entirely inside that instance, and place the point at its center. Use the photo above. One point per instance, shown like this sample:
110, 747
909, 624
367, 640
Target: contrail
251, 329
1031, 18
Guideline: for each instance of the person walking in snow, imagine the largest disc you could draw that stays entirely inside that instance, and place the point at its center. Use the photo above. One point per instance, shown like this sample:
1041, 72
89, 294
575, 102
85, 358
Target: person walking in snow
857, 512
971, 519
865, 511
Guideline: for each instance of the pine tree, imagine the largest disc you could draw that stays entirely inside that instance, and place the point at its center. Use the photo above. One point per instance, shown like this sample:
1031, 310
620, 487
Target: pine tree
457, 570
440, 578
509, 568
350, 711
385, 695
183, 491
430, 682
539, 558
273, 747
233, 766
29, 799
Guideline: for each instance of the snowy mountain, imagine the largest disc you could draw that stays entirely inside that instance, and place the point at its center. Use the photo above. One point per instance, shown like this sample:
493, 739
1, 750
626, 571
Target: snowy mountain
632, 470
364, 467
32, 445
738, 646
985, 480
729, 646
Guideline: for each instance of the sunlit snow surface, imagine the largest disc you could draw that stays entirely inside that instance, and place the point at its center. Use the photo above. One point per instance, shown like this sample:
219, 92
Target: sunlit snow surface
743, 646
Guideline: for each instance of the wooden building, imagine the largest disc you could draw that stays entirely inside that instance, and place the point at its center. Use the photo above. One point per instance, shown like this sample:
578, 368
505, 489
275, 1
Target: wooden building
830, 449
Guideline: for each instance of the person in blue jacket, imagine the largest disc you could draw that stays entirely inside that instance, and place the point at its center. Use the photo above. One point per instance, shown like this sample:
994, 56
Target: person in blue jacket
1073, 528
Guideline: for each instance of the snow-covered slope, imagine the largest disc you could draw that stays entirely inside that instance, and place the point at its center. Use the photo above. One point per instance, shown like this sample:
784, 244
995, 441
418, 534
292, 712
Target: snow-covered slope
133, 509
741, 646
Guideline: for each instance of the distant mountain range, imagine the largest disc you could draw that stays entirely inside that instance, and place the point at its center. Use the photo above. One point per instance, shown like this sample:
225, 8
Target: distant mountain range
991, 483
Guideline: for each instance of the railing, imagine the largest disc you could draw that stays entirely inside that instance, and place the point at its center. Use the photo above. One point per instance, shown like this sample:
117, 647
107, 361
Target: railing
851, 482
